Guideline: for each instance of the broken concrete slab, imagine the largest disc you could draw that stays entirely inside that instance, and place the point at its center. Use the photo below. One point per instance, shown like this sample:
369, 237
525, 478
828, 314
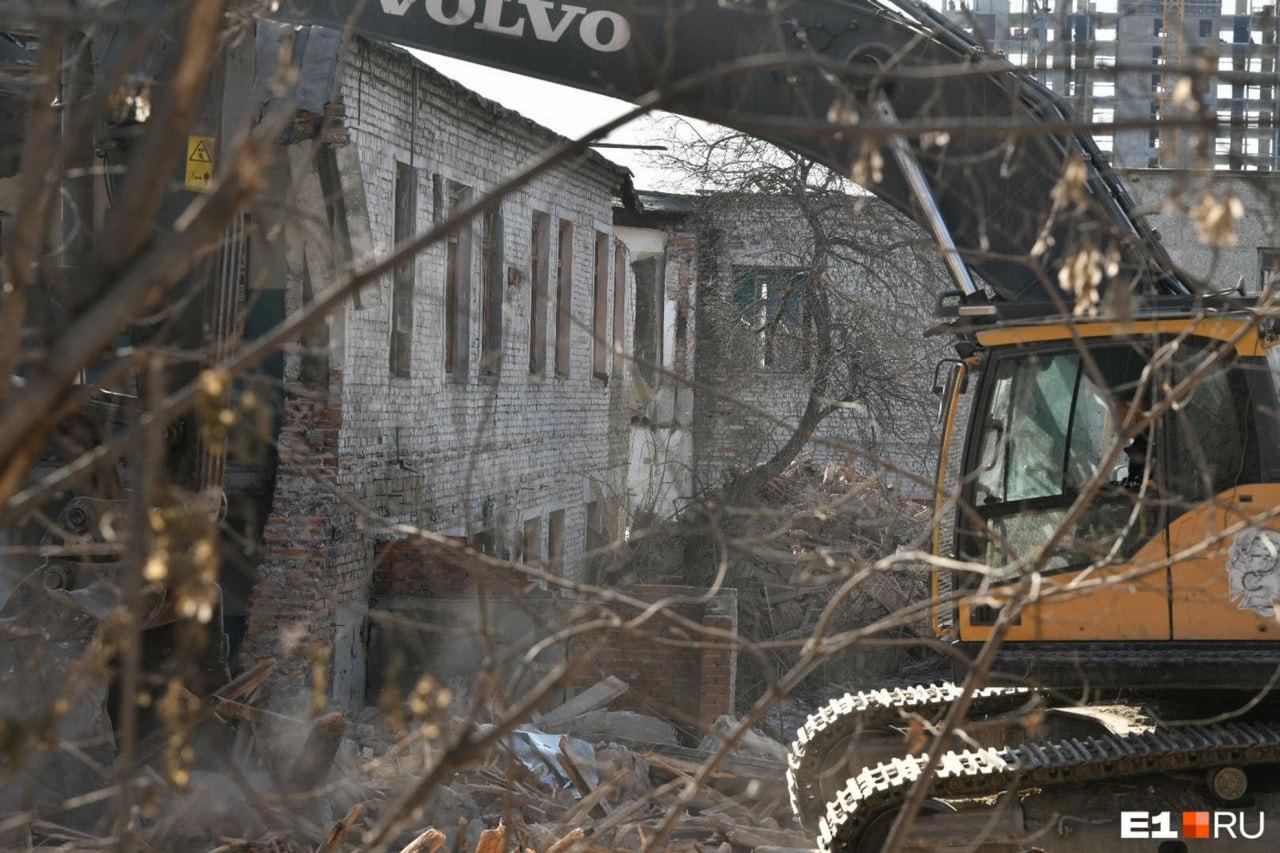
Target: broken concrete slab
686, 760
751, 743
627, 772
597, 696
624, 725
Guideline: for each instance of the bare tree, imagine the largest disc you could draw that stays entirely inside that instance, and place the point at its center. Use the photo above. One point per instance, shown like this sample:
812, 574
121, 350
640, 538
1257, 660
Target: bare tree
804, 273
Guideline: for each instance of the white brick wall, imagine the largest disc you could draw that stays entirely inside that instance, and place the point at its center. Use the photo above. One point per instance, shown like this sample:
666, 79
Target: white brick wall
1164, 196
886, 278
431, 451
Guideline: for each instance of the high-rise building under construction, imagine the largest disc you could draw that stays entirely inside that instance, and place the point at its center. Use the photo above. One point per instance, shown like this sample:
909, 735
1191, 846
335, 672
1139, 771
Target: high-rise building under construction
1139, 71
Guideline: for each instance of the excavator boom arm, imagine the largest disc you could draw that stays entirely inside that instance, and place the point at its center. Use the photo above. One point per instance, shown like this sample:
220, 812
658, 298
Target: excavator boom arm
830, 80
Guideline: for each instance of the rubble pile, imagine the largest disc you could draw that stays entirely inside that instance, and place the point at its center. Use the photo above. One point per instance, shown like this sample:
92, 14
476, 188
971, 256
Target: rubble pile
813, 528
298, 781
827, 521
838, 524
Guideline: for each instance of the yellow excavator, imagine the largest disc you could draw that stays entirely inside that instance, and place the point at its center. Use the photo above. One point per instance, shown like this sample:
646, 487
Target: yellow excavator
1109, 474
1117, 483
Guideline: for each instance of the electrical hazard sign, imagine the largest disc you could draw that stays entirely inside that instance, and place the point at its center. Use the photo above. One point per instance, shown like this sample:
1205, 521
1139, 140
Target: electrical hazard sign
199, 162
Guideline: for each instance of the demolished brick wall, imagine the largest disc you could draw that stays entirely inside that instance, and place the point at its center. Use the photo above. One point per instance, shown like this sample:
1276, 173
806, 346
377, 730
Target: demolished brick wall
710, 342
669, 675
672, 673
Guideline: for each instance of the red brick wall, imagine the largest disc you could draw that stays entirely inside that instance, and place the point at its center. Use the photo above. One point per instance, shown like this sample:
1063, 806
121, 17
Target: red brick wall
669, 676
296, 595
424, 568
718, 667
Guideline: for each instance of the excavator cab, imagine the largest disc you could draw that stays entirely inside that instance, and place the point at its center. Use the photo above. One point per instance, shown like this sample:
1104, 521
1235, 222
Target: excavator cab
1108, 509
1133, 467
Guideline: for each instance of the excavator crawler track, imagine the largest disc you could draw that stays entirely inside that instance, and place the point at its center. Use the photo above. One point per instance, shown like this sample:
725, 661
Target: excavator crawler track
854, 713
981, 772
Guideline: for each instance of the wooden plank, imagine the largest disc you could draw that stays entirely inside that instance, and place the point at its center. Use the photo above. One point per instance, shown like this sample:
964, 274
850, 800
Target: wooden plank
321, 747
732, 765
564, 845
428, 842
245, 683
681, 767
249, 714
493, 840
596, 696
338, 834
579, 780
745, 836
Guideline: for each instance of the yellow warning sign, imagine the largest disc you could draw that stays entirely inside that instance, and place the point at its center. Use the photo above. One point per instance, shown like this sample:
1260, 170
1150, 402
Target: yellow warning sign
199, 162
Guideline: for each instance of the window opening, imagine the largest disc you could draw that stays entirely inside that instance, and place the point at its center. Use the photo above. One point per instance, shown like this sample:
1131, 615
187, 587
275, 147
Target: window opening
540, 253
555, 543
600, 310
402, 279
492, 262
564, 297
619, 306
457, 297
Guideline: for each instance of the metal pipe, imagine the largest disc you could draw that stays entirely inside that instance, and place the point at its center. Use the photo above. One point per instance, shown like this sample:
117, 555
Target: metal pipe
928, 204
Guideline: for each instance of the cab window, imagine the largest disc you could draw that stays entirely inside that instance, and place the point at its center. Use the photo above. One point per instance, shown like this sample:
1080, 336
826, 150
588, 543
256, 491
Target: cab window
1049, 427
1212, 439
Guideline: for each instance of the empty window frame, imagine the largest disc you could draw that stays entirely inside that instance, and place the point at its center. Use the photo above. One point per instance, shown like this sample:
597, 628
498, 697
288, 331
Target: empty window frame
770, 303
619, 306
492, 263
649, 319
564, 297
598, 540
457, 290
404, 224
600, 310
531, 541
555, 542
539, 266
680, 332
1268, 259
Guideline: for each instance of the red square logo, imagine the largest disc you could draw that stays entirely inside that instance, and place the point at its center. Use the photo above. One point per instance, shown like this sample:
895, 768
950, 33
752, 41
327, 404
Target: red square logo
1195, 824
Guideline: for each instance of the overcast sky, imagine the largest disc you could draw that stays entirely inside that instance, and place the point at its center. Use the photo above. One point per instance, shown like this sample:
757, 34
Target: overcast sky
567, 111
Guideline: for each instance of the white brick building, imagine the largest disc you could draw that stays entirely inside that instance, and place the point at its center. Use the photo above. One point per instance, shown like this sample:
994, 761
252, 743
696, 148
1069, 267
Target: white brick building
1165, 197
748, 393
435, 446
433, 414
